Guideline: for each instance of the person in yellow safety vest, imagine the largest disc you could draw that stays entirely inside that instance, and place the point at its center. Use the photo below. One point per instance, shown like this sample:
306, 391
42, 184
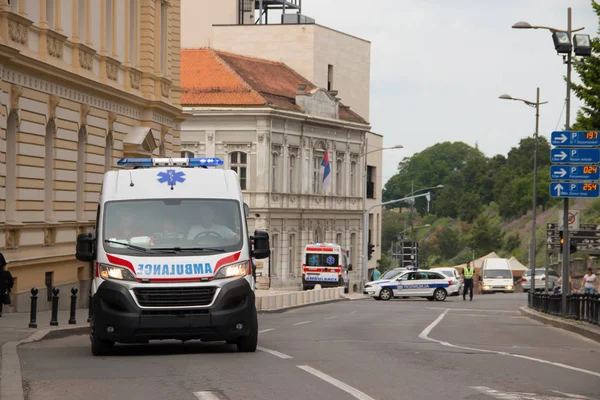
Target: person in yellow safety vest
468, 273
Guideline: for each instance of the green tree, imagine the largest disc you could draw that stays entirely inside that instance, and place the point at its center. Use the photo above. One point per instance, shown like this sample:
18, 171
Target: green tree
448, 241
484, 236
588, 117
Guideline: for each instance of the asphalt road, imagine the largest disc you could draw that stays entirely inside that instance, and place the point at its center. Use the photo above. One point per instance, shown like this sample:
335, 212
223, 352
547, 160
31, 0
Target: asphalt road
400, 349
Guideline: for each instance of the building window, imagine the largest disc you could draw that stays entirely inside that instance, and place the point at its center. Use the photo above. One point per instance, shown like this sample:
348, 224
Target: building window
291, 180
108, 26
187, 154
133, 15
81, 10
238, 163
338, 239
370, 182
292, 267
11, 168
353, 178
318, 235
49, 171
80, 185
274, 258
329, 77
353, 248
317, 160
338, 177
50, 13
108, 152
163, 37
275, 158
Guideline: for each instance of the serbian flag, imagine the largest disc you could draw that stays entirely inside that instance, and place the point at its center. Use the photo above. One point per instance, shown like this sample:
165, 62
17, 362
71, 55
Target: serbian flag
326, 172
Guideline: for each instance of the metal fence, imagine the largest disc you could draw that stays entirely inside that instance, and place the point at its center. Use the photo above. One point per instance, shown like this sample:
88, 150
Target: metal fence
580, 307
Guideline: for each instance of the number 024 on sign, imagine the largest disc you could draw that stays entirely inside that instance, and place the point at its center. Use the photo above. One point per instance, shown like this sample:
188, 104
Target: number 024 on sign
569, 189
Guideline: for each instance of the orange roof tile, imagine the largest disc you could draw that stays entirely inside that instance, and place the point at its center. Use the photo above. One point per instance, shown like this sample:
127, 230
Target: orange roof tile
213, 78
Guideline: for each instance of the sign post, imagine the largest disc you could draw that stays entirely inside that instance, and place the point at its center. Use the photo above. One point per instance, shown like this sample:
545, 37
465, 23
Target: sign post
577, 155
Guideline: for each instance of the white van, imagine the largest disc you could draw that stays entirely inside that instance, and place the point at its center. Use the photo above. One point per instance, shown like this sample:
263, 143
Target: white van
496, 276
325, 264
172, 256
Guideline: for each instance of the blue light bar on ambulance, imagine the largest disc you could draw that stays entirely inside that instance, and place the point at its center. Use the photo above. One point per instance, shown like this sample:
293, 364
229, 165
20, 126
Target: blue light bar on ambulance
168, 162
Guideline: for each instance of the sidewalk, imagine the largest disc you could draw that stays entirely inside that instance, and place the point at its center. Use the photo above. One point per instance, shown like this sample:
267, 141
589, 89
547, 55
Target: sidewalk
582, 328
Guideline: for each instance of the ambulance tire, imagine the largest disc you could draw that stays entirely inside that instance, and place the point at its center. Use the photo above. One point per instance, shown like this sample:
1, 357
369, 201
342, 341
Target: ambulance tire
386, 294
248, 344
440, 294
100, 347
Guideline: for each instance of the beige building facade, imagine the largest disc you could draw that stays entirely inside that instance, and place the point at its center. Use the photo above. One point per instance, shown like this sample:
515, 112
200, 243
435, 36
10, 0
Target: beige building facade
373, 192
82, 84
330, 59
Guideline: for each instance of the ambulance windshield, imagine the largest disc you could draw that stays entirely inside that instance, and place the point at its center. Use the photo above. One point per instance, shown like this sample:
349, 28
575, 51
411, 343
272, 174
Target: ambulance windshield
321, 260
188, 226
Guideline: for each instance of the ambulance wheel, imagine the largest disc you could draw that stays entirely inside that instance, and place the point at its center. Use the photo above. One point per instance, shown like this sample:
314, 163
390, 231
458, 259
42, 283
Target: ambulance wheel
439, 294
100, 347
386, 294
248, 344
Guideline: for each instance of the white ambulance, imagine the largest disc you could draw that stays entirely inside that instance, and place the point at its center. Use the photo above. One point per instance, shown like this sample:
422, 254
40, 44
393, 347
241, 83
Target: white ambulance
172, 255
325, 264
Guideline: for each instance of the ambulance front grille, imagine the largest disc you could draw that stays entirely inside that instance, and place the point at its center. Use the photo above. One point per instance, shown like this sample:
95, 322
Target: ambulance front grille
175, 297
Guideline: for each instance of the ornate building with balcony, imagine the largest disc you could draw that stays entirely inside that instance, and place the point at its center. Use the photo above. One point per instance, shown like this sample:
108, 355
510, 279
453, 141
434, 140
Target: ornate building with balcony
273, 127
82, 84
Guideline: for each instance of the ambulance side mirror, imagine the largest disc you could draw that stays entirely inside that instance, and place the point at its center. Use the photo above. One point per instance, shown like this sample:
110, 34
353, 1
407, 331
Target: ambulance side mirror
85, 247
260, 249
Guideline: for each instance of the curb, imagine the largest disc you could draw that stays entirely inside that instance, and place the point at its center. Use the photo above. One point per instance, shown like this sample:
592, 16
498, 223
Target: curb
284, 309
571, 326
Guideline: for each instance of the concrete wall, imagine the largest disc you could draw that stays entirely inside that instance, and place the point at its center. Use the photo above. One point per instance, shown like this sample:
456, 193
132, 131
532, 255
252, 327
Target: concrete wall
198, 17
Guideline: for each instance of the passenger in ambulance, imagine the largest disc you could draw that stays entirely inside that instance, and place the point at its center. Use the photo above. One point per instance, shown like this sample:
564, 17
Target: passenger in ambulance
125, 228
168, 232
207, 229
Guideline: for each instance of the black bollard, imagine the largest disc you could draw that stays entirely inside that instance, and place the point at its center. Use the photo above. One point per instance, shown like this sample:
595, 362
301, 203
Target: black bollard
33, 315
73, 306
54, 318
89, 309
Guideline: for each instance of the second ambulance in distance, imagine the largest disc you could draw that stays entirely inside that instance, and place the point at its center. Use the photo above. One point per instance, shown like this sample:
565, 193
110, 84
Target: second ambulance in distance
325, 264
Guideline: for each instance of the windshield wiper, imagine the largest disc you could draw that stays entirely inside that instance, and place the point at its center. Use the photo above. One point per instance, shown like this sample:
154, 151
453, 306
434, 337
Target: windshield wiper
177, 249
129, 246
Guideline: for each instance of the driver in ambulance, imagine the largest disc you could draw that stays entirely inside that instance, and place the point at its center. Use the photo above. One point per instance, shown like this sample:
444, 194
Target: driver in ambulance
207, 225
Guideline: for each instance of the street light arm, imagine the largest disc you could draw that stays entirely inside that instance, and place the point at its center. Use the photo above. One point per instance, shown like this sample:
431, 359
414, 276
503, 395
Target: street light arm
380, 149
525, 25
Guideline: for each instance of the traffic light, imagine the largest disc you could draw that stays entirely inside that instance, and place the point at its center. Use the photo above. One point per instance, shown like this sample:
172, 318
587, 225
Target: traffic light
371, 249
572, 246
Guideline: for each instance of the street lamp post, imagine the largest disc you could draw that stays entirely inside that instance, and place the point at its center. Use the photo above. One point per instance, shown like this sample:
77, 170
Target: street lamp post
413, 191
400, 237
366, 185
562, 44
365, 231
532, 253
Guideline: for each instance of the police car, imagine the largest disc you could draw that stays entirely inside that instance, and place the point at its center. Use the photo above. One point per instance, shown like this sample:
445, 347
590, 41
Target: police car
413, 283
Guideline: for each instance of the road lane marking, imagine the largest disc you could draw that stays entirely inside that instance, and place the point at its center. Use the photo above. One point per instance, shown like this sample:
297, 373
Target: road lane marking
474, 309
330, 317
274, 352
524, 395
206, 396
303, 322
353, 312
339, 384
266, 330
425, 335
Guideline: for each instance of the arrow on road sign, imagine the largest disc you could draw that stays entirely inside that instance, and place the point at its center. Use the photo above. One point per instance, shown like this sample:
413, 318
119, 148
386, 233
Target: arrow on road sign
561, 138
561, 172
559, 188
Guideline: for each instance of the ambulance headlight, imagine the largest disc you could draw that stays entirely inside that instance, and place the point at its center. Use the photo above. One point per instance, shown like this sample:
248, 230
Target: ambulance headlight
114, 272
232, 270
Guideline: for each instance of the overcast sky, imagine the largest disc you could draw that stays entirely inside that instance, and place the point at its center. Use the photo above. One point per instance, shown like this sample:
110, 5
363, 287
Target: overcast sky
438, 67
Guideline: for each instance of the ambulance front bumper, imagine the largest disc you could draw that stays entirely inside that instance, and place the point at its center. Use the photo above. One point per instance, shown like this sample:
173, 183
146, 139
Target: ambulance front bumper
116, 316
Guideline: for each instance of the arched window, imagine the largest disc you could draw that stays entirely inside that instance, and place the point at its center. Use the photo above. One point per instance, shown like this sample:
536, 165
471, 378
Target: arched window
238, 162
11, 168
49, 171
291, 174
187, 154
353, 179
80, 207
